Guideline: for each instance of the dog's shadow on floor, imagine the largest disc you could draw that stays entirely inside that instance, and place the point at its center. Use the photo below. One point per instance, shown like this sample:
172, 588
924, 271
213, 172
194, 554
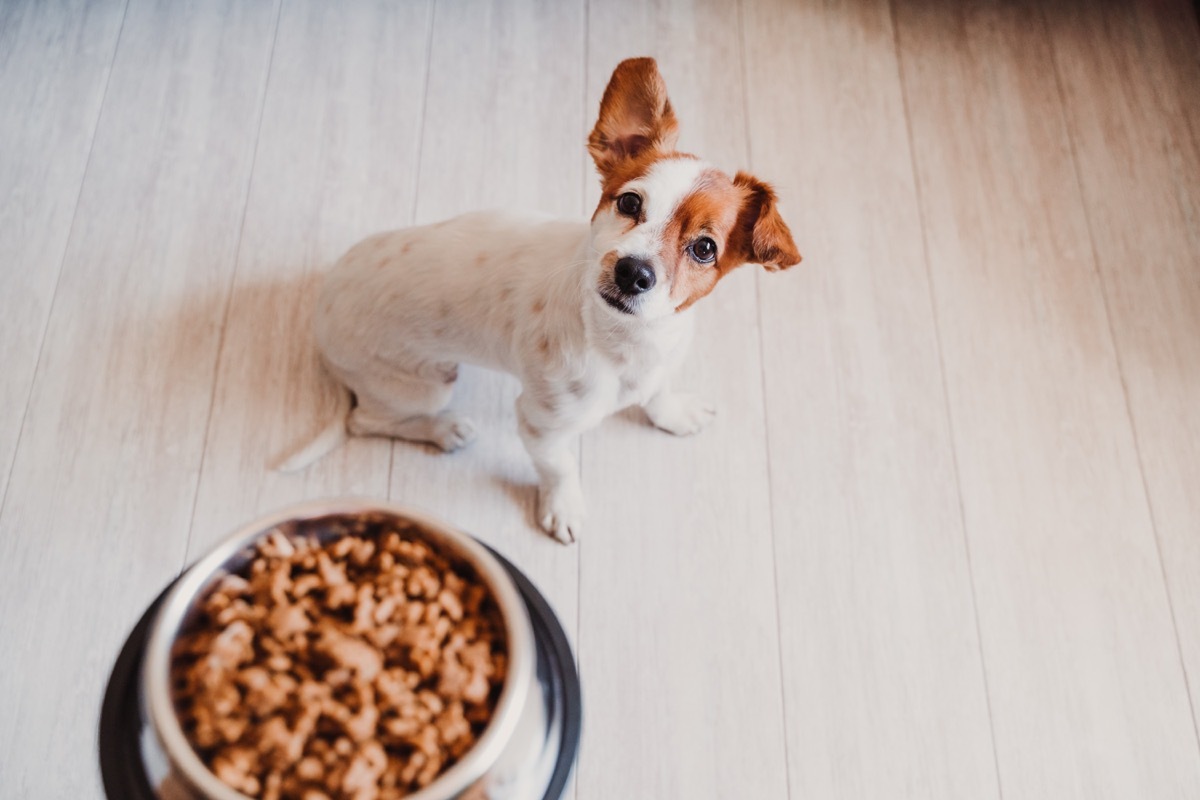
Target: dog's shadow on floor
248, 356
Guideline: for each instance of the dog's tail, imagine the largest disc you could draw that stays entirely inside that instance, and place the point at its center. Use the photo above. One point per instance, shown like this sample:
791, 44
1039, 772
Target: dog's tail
327, 440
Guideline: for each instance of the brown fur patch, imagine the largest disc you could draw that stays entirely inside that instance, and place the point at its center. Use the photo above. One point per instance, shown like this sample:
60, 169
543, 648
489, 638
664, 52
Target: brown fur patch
635, 115
741, 216
546, 394
479, 259
539, 306
526, 427
407, 246
710, 209
761, 236
544, 346
608, 261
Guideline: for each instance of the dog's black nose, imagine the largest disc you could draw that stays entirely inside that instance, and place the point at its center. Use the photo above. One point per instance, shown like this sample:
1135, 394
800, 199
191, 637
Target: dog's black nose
634, 275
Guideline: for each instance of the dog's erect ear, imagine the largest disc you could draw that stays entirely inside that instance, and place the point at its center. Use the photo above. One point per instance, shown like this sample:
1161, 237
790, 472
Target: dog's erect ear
635, 115
760, 235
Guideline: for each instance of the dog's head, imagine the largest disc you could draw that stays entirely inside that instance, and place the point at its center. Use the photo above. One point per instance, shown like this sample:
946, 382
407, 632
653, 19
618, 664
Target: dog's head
669, 226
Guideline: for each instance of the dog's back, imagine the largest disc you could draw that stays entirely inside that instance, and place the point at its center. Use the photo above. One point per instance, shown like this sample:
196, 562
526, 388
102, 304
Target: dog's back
455, 292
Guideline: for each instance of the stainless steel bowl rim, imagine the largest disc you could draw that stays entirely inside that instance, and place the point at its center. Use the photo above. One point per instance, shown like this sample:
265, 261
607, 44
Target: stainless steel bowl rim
155, 672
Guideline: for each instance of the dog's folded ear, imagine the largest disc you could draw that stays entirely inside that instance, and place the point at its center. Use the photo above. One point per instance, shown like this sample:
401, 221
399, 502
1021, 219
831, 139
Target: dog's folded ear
635, 115
760, 235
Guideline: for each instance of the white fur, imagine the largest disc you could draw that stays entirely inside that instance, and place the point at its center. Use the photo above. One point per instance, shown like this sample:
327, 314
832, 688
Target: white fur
402, 309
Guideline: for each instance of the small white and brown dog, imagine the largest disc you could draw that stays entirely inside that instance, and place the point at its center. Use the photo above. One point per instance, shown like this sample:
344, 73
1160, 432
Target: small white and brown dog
590, 318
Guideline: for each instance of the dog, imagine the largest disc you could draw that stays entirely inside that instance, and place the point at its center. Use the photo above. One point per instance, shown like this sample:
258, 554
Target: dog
589, 318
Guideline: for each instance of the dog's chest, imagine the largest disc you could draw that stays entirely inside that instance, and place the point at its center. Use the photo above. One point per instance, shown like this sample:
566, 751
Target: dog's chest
611, 386
636, 380
633, 372
587, 397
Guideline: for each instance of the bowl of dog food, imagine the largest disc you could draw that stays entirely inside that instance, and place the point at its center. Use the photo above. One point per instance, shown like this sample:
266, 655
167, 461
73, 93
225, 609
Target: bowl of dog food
344, 650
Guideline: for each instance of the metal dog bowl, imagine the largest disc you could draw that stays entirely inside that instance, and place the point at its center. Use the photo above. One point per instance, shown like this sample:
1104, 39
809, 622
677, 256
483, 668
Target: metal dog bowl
526, 752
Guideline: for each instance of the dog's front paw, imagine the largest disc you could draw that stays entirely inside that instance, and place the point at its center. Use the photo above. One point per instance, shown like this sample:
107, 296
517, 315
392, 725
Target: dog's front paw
451, 432
680, 414
561, 512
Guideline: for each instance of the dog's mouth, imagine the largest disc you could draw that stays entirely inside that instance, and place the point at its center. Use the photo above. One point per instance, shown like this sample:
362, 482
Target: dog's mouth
614, 300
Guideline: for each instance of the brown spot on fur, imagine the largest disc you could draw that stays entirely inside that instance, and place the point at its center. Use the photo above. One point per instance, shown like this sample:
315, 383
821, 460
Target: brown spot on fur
479, 259
526, 427
761, 236
635, 115
709, 210
741, 217
407, 246
544, 346
547, 395
539, 306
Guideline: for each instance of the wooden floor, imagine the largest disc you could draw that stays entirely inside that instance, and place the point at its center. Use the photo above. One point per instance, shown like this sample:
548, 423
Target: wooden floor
943, 540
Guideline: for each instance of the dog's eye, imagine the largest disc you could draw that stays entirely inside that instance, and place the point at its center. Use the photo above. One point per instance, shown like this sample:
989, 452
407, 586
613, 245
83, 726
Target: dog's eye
704, 250
629, 204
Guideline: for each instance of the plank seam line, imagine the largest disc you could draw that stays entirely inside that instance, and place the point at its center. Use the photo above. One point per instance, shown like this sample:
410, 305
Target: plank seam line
66, 248
937, 330
416, 190
1112, 338
232, 281
762, 376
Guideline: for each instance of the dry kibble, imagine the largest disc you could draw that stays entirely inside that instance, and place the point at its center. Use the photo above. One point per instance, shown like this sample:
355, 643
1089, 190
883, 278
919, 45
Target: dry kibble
356, 669
309, 768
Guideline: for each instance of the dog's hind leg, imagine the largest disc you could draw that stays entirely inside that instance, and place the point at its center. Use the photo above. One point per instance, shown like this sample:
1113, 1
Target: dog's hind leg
409, 405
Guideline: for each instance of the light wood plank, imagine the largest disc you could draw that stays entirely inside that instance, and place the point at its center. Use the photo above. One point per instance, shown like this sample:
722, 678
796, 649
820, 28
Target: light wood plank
54, 63
678, 643
1131, 89
884, 682
337, 161
1086, 688
105, 474
502, 129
